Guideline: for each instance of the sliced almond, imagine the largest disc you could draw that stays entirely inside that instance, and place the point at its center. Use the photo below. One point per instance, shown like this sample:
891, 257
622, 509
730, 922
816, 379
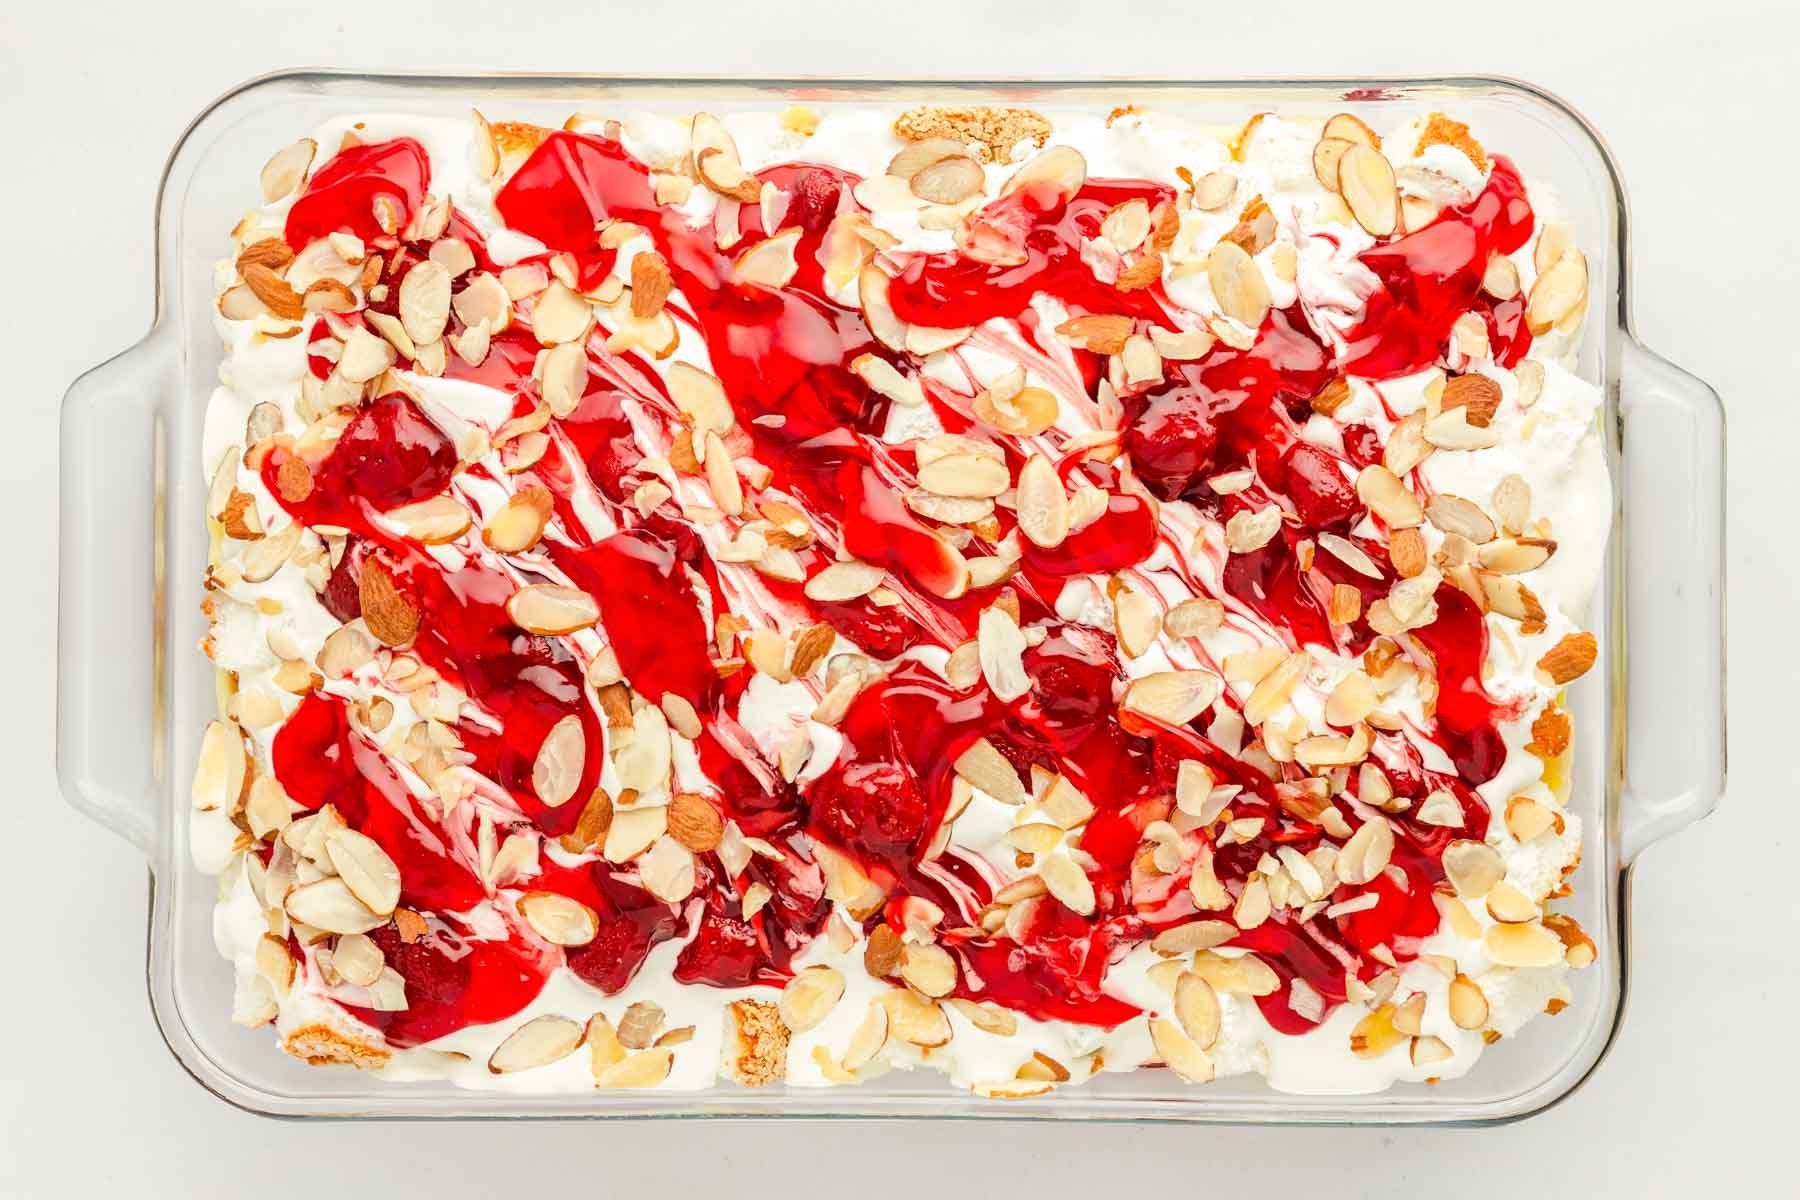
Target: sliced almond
1179, 1052
1197, 1008
810, 996
1468, 1006
1527, 944
548, 608
561, 756
425, 301
537, 1043
286, 170
1238, 284
366, 868
518, 524
1175, 698
558, 919
770, 263
844, 581
644, 1069
1453, 514
915, 1019
1043, 505
1367, 852
929, 969
1558, 293
433, 521
1366, 182
1388, 498
1473, 868
329, 905
986, 768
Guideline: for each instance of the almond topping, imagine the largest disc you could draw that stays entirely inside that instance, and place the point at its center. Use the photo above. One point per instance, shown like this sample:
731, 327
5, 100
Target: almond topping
389, 615
1570, 658
537, 1043
1366, 181
548, 608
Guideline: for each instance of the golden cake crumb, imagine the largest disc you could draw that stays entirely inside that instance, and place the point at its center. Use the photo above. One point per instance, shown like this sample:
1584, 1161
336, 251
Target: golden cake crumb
1442, 131
997, 130
321, 1046
756, 1043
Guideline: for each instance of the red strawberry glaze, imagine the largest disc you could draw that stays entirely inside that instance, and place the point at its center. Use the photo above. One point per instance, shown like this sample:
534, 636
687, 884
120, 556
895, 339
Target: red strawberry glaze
785, 357
341, 196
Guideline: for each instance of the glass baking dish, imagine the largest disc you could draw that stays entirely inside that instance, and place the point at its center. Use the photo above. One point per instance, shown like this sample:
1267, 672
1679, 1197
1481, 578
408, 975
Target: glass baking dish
133, 692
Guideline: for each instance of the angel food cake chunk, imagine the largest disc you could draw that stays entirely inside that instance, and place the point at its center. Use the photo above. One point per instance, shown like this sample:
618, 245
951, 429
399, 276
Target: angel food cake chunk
792, 596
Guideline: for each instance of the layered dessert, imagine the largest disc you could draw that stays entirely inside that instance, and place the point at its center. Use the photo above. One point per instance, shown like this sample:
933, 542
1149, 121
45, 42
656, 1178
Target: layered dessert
782, 596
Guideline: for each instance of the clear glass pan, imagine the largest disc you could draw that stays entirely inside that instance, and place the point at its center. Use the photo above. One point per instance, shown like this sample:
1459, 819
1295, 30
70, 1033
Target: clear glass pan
133, 694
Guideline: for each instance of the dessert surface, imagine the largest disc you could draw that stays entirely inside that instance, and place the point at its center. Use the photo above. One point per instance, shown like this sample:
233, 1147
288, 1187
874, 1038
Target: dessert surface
789, 596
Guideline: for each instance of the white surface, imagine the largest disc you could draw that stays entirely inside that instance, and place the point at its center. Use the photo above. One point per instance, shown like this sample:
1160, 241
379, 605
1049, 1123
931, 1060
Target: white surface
1698, 1091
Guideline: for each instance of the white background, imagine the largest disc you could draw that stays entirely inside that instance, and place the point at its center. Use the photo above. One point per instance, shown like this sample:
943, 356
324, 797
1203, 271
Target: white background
1699, 105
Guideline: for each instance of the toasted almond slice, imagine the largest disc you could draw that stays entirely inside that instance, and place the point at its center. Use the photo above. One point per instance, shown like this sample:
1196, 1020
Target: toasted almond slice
992, 772
644, 1069
1388, 498
1367, 852
1500, 279
558, 919
221, 771
929, 969
1507, 903
1238, 284
842, 581
1179, 1052
949, 180
1473, 867
548, 608
1512, 503
1068, 883
358, 959
1135, 621
1441, 808
1515, 556
1453, 514
810, 996
1527, 818
329, 904
1366, 181
1526, 944
286, 170
433, 521
561, 315
1428, 1049
1001, 646
537, 1043
1252, 529
1175, 698
870, 1036
425, 301
1558, 293
1193, 618
1273, 690
770, 263
1351, 701
1350, 128
518, 524
1468, 1006
1197, 1008
365, 868
1043, 505
556, 771
916, 1019
1327, 152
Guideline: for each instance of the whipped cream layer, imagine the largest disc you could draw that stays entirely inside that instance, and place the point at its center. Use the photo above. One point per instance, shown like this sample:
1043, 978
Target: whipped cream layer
450, 848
